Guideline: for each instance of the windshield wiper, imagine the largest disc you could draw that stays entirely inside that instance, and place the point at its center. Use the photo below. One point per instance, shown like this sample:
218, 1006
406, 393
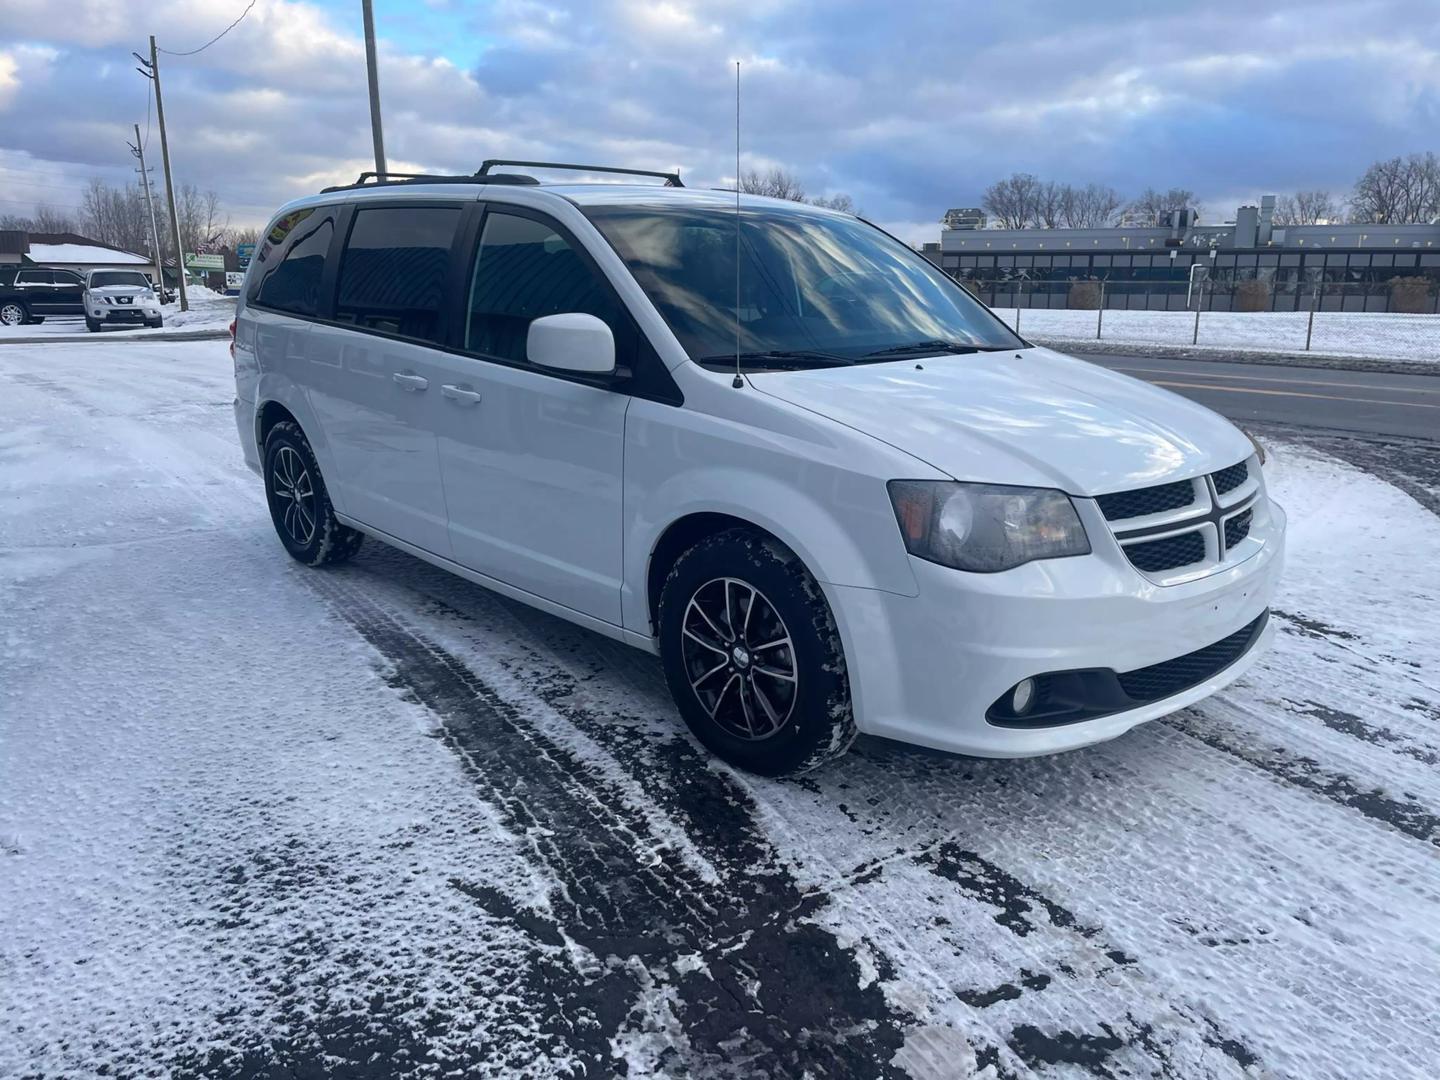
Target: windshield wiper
936, 346
796, 358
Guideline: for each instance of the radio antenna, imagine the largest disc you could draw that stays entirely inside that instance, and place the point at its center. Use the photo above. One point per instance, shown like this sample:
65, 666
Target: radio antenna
739, 382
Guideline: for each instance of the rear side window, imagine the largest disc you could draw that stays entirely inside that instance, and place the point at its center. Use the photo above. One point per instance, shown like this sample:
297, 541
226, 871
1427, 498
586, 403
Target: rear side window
527, 269
291, 262
36, 277
392, 275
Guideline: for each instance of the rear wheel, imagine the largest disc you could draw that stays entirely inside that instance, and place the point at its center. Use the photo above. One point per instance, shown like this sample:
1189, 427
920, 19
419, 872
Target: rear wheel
299, 504
752, 656
12, 313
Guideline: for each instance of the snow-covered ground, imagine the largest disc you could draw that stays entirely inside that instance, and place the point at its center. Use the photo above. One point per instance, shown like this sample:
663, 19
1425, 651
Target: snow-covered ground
208, 311
258, 820
1390, 337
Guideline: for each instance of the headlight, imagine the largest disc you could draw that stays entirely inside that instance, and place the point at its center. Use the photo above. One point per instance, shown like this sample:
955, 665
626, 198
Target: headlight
985, 527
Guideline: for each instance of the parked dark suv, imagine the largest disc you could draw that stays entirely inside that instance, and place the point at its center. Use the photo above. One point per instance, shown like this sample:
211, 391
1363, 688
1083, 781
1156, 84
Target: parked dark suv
29, 293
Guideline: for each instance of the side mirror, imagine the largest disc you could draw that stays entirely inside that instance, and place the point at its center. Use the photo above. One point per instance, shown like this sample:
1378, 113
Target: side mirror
571, 342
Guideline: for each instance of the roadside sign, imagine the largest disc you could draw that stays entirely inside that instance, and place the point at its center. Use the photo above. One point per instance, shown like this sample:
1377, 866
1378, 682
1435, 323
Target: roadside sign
204, 262
244, 252
233, 280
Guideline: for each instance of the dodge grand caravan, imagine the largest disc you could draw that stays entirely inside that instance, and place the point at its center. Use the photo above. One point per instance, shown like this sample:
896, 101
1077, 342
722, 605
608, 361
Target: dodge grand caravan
764, 440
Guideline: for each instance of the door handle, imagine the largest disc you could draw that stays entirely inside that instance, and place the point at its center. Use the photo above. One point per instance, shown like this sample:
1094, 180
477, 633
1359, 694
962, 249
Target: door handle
410, 382
460, 394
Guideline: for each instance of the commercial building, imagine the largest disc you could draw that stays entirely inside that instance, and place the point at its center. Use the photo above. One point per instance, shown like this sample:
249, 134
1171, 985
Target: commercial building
68, 251
1187, 264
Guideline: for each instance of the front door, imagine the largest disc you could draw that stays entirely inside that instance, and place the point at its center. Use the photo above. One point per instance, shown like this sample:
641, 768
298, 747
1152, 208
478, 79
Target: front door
69, 293
532, 459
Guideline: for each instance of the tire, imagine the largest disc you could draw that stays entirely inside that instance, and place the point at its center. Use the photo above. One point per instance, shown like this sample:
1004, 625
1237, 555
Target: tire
13, 313
299, 504
92, 326
759, 720
157, 323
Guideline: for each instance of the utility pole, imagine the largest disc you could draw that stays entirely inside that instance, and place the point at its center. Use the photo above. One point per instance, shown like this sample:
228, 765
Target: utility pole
153, 74
375, 130
139, 151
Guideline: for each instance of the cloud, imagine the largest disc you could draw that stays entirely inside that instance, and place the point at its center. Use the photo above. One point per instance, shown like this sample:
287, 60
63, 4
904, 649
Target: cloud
908, 108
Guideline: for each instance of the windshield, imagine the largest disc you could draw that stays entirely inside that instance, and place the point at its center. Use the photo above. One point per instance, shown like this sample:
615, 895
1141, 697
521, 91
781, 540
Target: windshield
816, 290
118, 277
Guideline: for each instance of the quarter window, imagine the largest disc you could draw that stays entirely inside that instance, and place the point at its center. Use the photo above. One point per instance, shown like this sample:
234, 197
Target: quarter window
295, 251
392, 275
525, 270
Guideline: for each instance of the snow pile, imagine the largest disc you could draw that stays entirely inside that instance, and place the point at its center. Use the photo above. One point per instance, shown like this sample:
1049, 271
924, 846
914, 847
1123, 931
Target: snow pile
1390, 337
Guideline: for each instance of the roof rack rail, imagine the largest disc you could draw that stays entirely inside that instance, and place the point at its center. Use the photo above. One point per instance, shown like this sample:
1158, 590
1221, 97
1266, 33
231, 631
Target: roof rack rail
672, 179
374, 179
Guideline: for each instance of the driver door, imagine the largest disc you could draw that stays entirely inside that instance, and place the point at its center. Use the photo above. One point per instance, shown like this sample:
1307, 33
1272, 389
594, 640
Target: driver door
532, 458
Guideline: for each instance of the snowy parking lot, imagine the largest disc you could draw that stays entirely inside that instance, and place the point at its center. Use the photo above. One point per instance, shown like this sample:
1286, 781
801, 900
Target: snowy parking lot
259, 820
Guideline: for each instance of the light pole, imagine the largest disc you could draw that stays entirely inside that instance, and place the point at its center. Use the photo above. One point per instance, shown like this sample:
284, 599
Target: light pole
376, 134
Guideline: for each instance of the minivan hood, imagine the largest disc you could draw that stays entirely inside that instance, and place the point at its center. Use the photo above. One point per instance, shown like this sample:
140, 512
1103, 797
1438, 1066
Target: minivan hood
1033, 417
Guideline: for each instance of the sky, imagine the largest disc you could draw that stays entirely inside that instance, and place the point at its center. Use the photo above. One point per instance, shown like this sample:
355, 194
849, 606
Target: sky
910, 108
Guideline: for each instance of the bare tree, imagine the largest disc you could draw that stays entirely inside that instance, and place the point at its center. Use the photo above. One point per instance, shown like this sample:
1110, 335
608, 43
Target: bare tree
840, 202
1398, 191
1013, 202
1153, 207
774, 182
1049, 204
1306, 208
1092, 207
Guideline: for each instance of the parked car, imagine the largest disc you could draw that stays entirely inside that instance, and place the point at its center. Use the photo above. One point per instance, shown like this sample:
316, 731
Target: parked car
120, 297
30, 293
832, 491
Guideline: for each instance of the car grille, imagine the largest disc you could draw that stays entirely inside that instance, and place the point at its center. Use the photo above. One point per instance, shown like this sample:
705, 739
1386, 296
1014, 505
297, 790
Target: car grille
1169, 553
1151, 500
1227, 480
1172, 676
1188, 525
1237, 528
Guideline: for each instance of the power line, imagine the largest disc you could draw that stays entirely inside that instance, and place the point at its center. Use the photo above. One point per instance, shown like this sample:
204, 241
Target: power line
216, 38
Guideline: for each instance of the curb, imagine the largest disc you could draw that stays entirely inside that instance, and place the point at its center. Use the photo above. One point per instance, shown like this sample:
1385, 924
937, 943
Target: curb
1082, 346
95, 339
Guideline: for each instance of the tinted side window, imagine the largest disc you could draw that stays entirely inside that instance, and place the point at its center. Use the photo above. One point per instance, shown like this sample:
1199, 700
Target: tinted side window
68, 277
292, 261
392, 275
36, 277
526, 269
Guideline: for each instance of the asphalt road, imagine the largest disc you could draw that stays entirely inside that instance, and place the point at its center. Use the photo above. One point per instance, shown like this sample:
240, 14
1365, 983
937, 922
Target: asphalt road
1354, 401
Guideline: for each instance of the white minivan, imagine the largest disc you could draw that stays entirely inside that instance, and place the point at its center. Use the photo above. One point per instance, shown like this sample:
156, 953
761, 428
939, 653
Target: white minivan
768, 442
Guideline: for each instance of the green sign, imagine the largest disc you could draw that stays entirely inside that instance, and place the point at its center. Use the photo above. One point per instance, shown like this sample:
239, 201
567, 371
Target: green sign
204, 262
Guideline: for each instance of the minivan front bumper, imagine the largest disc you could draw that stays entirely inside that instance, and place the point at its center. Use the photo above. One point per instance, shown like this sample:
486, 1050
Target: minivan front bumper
926, 669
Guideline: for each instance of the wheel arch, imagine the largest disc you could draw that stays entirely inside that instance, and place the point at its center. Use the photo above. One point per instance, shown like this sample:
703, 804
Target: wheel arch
683, 534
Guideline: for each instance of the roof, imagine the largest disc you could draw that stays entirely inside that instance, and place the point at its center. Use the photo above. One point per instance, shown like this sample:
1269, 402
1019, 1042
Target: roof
580, 194
60, 254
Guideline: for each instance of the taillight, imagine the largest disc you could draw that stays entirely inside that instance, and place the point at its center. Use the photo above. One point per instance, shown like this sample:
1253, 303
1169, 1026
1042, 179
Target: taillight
232, 339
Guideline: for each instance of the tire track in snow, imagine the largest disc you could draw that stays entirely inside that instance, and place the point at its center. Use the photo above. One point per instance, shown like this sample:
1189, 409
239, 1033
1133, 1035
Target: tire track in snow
721, 980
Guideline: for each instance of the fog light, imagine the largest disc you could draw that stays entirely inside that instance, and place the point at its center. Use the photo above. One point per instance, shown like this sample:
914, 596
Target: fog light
1023, 696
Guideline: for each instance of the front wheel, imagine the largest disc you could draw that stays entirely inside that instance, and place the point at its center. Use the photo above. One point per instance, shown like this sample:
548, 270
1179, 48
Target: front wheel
92, 325
752, 656
299, 504
159, 322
